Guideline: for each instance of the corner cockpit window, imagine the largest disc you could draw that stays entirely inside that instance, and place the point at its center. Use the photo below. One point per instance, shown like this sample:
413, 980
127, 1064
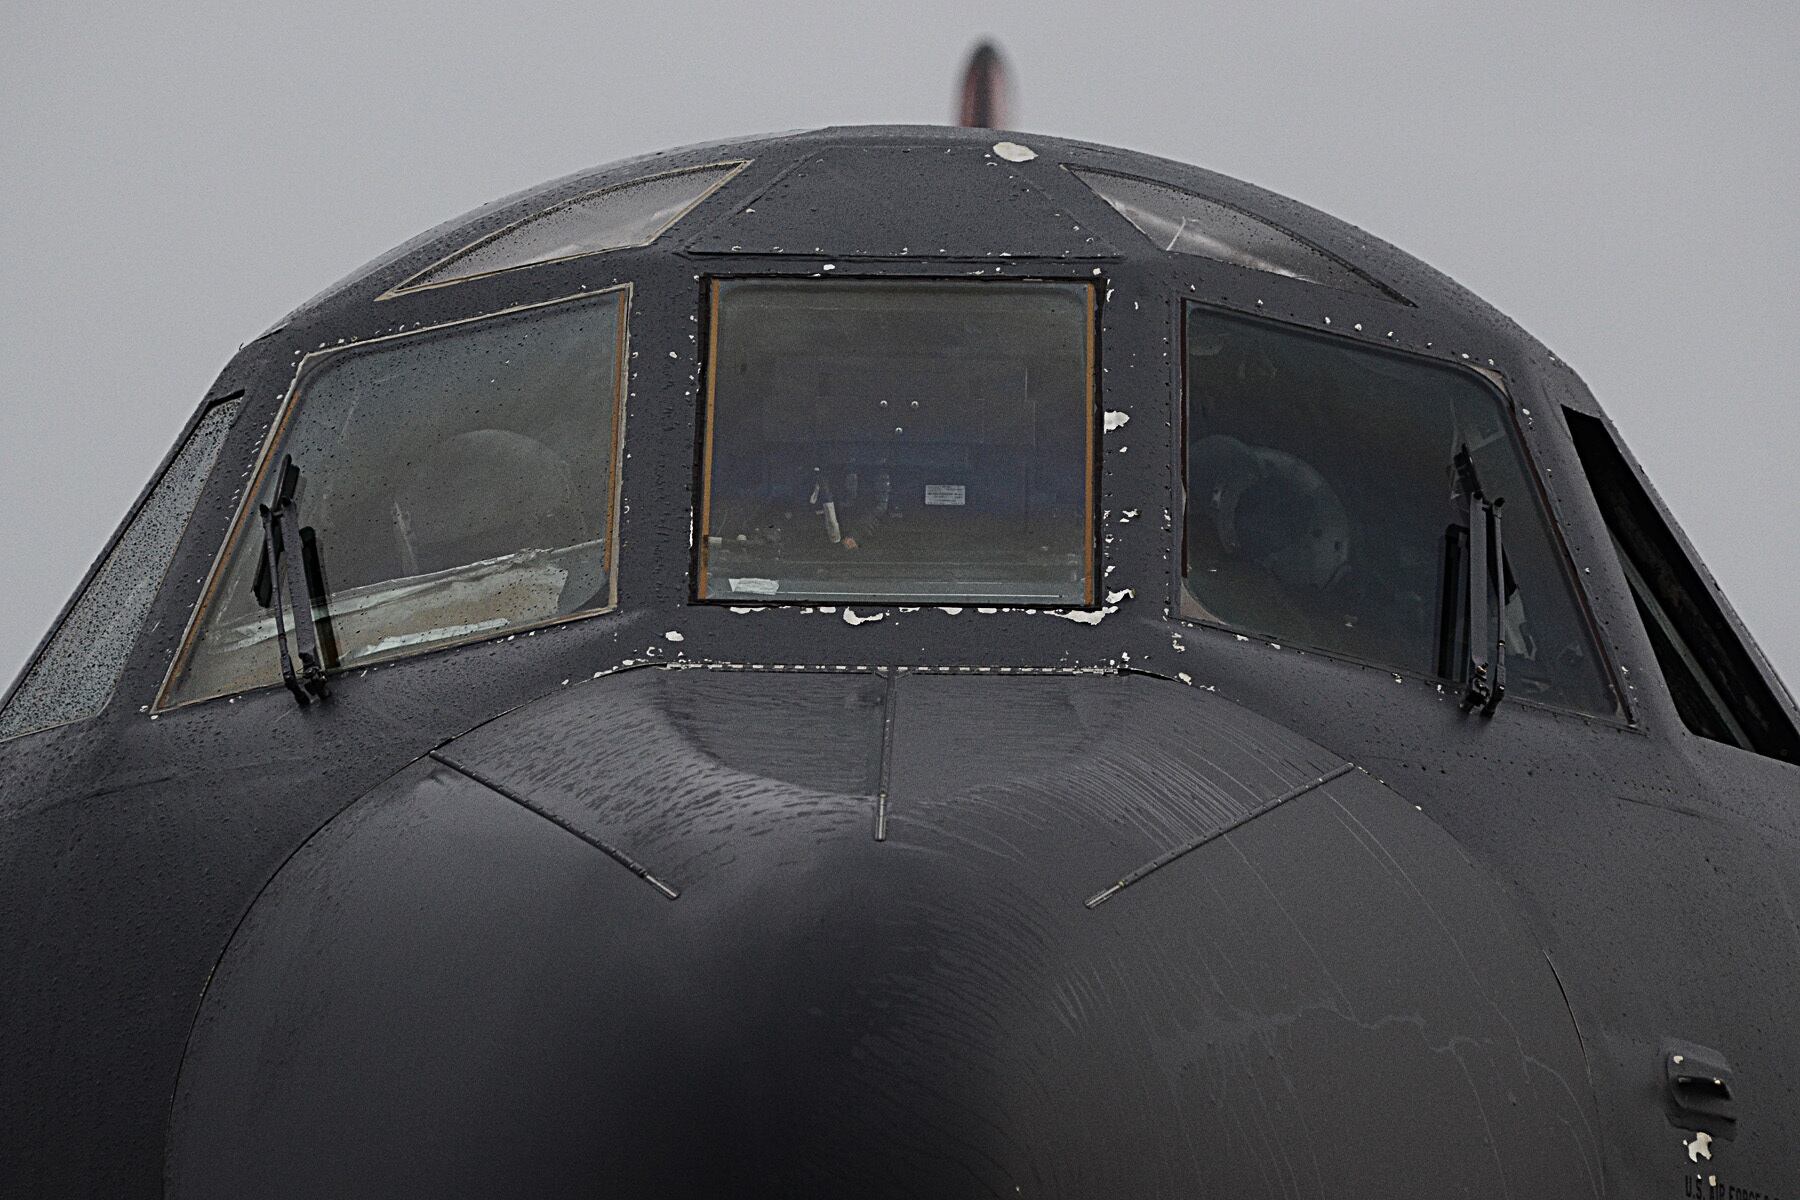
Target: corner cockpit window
899, 440
1183, 223
447, 484
1718, 688
76, 673
613, 218
1333, 492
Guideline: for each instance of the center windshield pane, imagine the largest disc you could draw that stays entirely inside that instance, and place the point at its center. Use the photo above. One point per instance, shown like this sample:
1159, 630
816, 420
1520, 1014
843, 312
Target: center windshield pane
899, 441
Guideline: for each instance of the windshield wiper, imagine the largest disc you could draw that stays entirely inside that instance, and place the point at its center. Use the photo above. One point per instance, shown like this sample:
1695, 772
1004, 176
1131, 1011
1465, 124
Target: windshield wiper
285, 576
1484, 593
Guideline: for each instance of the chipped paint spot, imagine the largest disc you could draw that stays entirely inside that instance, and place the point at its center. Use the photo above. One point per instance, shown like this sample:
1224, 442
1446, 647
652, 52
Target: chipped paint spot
1081, 617
673, 636
1185, 678
851, 617
740, 609
951, 611
1114, 420
1121, 594
1700, 1147
1013, 152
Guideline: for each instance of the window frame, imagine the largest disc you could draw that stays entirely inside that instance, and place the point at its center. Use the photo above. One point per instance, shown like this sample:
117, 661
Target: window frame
1091, 443
290, 405
1495, 383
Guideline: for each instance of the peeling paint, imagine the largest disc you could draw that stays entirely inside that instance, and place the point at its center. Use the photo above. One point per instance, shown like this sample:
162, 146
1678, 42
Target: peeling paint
1700, 1147
1114, 419
1113, 598
851, 617
673, 636
1013, 152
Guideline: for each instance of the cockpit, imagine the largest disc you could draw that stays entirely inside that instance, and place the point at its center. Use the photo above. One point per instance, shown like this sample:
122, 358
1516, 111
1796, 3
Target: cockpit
904, 415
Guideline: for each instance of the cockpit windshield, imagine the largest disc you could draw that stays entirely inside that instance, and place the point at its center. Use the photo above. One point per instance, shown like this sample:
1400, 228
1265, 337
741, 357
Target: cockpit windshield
1329, 497
898, 440
450, 484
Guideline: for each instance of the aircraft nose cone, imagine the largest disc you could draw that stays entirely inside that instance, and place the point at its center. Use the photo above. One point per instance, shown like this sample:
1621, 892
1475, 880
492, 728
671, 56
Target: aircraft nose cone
643, 939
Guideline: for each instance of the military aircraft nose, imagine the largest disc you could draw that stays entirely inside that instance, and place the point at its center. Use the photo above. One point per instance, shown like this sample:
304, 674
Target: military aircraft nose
694, 933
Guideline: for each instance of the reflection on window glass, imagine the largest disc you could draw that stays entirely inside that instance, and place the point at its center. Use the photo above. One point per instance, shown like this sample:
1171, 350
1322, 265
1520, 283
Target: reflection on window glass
1184, 223
899, 441
629, 214
454, 483
1324, 508
75, 675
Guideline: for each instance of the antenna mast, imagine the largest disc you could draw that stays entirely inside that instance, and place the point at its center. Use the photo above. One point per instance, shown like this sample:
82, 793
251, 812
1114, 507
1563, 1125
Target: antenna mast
986, 90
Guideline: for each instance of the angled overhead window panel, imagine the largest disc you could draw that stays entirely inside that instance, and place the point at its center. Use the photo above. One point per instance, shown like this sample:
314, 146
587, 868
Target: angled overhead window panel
1183, 223
612, 218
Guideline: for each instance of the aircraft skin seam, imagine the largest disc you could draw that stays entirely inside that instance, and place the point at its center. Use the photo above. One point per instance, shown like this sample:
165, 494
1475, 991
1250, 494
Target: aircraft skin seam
613, 852
1164, 859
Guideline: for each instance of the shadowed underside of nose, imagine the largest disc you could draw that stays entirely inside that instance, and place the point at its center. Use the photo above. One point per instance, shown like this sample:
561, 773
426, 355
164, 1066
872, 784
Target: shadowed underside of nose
704, 933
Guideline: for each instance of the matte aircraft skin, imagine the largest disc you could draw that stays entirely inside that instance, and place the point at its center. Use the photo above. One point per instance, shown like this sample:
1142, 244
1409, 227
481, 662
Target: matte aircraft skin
594, 912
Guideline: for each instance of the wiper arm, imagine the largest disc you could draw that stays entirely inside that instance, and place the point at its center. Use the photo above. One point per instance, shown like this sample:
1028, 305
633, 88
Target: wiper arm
1485, 593
283, 578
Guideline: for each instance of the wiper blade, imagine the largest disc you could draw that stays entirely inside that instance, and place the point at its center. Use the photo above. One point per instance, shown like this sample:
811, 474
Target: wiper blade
283, 578
1484, 592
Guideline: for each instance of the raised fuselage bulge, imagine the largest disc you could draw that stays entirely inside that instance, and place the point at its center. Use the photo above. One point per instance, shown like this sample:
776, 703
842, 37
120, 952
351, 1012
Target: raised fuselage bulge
898, 662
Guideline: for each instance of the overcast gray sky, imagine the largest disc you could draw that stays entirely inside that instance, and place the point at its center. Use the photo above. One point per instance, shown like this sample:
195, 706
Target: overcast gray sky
1621, 178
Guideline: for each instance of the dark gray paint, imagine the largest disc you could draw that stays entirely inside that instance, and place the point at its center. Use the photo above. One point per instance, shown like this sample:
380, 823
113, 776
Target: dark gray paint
1652, 875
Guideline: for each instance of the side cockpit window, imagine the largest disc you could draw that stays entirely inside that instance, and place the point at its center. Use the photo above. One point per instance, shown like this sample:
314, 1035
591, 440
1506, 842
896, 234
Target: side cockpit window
445, 485
1718, 689
1338, 496
899, 441
74, 676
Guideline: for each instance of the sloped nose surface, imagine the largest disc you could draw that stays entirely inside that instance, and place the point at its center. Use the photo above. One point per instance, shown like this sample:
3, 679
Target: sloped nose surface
700, 934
